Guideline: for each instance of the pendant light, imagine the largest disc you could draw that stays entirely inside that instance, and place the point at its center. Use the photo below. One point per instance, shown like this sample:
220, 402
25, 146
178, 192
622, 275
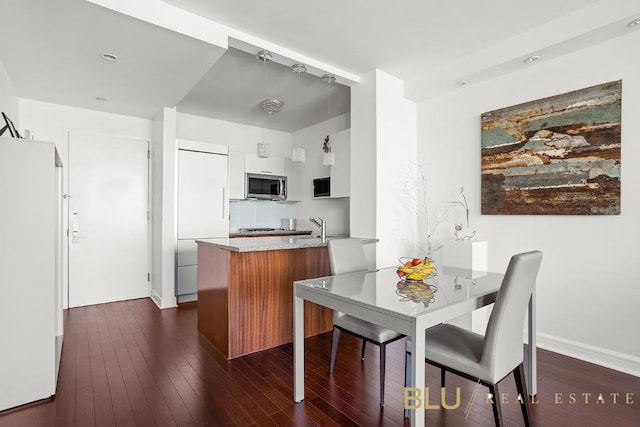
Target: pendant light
298, 154
328, 157
263, 149
270, 107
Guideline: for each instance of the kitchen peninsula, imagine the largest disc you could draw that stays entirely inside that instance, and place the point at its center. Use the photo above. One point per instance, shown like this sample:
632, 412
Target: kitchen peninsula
245, 290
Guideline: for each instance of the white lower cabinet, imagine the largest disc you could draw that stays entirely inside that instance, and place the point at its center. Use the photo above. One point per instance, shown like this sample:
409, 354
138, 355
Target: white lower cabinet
188, 279
187, 268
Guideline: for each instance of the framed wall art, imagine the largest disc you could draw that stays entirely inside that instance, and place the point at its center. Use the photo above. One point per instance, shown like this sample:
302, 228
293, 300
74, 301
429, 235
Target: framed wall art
555, 156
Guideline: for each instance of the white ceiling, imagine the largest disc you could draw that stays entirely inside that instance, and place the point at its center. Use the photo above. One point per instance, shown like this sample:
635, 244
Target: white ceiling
405, 38
51, 50
235, 86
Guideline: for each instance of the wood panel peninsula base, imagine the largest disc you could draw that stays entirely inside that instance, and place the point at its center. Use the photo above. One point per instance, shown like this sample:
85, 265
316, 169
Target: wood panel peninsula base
245, 291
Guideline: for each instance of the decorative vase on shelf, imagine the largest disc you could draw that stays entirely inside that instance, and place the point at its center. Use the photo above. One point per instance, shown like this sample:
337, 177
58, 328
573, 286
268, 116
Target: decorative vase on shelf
466, 254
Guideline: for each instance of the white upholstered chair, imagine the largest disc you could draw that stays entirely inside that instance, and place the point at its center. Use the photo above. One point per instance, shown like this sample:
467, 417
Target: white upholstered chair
489, 358
347, 256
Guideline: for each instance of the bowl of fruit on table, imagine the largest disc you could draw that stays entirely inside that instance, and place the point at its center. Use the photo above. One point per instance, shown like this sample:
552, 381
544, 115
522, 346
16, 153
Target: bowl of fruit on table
415, 269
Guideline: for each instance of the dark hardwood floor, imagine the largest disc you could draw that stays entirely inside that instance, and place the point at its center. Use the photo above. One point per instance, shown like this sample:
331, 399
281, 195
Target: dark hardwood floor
129, 363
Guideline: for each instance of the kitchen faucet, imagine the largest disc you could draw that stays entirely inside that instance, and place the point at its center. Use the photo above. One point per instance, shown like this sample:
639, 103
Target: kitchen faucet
323, 227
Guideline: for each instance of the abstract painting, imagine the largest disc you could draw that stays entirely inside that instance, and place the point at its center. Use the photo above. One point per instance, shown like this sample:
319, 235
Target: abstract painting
554, 156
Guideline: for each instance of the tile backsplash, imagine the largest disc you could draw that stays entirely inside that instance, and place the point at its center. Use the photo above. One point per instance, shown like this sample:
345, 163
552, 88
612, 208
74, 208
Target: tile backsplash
256, 214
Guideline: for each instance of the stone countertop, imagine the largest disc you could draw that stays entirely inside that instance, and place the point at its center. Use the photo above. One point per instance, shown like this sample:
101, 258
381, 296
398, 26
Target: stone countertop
269, 233
256, 244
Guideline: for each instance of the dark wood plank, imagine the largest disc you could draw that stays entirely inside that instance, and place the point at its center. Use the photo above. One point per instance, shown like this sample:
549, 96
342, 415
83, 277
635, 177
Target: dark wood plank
129, 363
213, 293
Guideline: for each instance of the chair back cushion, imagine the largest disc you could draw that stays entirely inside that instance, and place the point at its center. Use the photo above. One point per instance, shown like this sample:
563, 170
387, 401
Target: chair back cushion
502, 349
346, 256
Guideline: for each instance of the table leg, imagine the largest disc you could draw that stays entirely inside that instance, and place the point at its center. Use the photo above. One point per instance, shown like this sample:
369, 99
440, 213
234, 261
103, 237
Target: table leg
531, 358
417, 368
298, 348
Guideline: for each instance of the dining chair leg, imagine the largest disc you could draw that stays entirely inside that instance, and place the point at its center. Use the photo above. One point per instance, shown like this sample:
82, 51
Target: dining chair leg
442, 375
383, 359
364, 345
407, 376
497, 413
334, 347
521, 384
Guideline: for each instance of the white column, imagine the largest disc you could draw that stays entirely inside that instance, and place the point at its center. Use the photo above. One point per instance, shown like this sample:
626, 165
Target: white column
383, 166
164, 208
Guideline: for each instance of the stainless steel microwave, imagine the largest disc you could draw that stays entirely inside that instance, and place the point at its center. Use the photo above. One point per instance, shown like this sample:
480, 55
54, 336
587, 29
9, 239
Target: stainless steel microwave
269, 187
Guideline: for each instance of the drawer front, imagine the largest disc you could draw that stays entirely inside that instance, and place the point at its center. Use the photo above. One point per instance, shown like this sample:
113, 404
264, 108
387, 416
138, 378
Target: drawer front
187, 252
187, 280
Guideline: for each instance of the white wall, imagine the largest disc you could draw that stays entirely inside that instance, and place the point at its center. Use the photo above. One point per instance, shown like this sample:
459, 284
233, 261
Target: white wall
8, 101
257, 213
587, 288
383, 163
237, 136
334, 211
397, 197
363, 152
53, 122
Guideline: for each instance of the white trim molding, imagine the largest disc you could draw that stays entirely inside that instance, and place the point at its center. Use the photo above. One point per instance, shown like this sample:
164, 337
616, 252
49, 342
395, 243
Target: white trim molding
163, 303
608, 358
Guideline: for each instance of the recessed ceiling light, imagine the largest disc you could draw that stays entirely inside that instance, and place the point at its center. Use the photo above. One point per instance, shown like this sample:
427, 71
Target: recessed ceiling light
109, 57
531, 59
101, 99
634, 23
461, 83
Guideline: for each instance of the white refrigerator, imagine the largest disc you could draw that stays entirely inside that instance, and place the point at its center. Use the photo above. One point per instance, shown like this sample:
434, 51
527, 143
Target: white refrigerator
203, 207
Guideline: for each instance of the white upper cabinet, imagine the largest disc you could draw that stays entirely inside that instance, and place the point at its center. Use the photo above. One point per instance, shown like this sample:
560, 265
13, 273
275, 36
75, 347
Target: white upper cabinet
236, 175
202, 200
265, 166
341, 171
294, 178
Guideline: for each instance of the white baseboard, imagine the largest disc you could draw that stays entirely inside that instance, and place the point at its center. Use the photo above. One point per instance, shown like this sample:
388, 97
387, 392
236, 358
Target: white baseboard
163, 303
608, 358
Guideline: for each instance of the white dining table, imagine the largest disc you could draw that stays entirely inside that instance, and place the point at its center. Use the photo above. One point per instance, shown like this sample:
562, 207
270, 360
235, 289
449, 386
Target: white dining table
382, 298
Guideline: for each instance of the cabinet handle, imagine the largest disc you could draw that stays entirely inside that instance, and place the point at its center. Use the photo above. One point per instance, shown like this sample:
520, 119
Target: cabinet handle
266, 172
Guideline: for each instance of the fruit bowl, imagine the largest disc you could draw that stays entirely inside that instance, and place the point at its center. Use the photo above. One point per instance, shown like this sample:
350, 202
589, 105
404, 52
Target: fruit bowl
415, 269
416, 292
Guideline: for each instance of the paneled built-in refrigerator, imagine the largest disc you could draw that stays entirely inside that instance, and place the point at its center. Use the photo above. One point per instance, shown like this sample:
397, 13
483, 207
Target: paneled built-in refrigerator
203, 206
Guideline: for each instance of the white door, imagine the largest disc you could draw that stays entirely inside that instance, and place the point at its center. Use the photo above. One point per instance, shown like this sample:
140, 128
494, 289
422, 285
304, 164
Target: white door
108, 225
